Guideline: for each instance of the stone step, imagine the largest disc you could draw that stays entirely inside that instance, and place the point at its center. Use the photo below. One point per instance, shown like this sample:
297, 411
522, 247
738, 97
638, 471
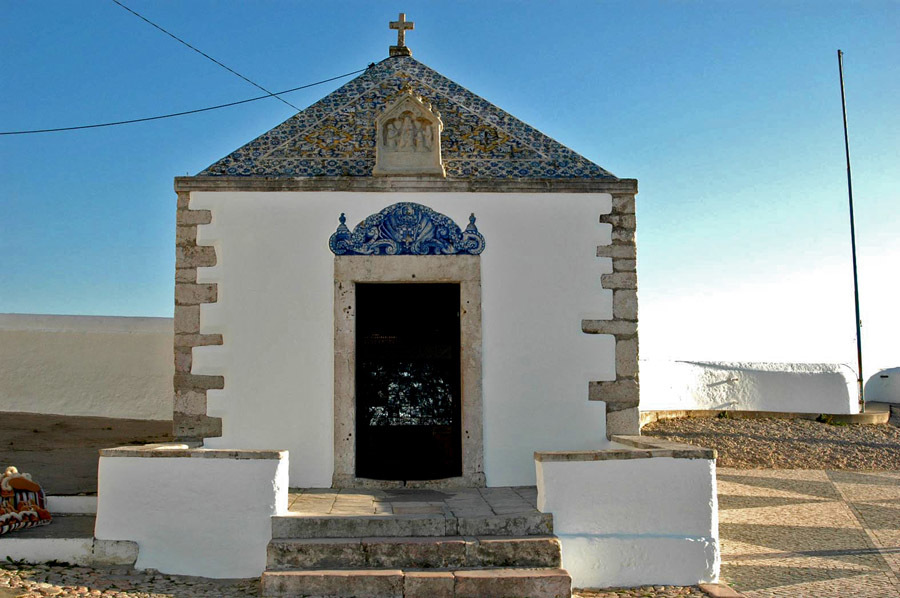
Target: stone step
419, 553
297, 525
398, 583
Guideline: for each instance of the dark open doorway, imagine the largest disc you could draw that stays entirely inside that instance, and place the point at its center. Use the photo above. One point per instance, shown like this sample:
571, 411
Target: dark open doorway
408, 415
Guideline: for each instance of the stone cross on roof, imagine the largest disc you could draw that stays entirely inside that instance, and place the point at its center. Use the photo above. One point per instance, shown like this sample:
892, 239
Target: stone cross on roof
401, 26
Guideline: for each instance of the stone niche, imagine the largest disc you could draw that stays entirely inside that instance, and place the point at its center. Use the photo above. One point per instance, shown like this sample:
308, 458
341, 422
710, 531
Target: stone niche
408, 138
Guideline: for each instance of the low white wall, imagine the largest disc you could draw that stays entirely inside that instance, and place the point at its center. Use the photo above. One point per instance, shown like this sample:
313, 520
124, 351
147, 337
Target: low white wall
193, 512
635, 521
783, 387
86, 365
884, 387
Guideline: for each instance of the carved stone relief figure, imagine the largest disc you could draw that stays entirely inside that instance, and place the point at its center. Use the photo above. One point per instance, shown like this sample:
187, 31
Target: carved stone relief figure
408, 138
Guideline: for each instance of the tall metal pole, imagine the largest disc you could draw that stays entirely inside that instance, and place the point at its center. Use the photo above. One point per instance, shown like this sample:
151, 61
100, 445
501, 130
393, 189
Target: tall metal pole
859, 380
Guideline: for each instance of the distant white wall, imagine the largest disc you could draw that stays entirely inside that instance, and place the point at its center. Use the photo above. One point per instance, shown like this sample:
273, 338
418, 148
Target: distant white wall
634, 522
275, 273
884, 387
782, 387
86, 365
193, 515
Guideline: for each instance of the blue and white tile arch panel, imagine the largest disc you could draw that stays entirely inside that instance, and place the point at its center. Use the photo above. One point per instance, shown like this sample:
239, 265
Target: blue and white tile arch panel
406, 228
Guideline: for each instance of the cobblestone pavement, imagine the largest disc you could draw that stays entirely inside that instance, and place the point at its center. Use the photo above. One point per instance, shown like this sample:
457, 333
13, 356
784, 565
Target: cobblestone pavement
798, 533
38, 581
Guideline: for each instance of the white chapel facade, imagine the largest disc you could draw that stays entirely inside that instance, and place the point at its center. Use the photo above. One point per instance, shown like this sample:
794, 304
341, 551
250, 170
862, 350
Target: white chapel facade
405, 285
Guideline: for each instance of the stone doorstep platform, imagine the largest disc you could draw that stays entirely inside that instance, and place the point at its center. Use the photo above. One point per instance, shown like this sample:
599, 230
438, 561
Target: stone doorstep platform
461, 542
360, 513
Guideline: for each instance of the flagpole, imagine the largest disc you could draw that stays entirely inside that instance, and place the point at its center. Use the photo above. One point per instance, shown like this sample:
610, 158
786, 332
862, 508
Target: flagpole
859, 379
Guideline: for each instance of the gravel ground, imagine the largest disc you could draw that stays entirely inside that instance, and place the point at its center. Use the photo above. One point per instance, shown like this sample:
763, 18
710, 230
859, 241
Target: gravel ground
788, 443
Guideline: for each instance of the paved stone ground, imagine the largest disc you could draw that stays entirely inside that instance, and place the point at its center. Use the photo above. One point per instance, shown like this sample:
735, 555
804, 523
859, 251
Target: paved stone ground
796, 533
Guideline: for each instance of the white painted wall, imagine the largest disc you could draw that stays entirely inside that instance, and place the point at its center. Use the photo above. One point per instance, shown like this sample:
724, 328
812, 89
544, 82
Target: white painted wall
193, 516
884, 387
540, 278
783, 387
86, 365
635, 521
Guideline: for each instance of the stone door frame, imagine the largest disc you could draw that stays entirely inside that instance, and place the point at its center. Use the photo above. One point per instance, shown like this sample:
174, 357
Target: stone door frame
464, 270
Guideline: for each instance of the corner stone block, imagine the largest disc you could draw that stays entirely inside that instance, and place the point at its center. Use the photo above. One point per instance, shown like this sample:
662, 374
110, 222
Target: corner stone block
619, 280
194, 294
623, 204
184, 217
616, 327
627, 357
186, 275
624, 422
625, 251
624, 221
622, 392
625, 304
624, 265
196, 426
197, 340
184, 200
187, 319
189, 402
183, 360
195, 257
198, 382
622, 235
185, 236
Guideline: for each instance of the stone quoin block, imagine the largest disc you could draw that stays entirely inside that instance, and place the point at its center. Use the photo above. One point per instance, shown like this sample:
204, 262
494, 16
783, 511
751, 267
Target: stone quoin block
625, 221
193, 217
622, 235
193, 294
198, 382
187, 319
185, 275
621, 392
190, 402
183, 360
196, 426
623, 204
627, 357
625, 305
619, 328
619, 280
196, 256
184, 200
185, 235
624, 421
617, 251
197, 340
624, 265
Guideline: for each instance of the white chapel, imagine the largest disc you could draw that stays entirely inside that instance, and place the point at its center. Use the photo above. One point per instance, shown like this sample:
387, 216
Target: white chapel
403, 288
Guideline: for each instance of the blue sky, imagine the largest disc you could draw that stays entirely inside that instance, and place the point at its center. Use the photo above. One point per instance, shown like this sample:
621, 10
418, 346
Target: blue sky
728, 113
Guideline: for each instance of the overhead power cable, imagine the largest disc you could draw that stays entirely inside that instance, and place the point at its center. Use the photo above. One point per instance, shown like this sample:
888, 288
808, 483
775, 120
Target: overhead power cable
145, 119
205, 55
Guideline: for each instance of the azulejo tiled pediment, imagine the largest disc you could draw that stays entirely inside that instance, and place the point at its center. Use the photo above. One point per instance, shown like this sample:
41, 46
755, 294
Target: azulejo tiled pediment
336, 136
406, 228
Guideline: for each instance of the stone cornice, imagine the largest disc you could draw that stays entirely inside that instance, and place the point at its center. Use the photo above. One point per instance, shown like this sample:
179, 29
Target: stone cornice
405, 184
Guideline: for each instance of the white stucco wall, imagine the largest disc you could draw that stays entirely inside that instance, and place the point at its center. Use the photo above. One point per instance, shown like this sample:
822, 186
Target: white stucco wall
634, 522
782, 387
884, 387
193, 516
540, 278
86, 365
